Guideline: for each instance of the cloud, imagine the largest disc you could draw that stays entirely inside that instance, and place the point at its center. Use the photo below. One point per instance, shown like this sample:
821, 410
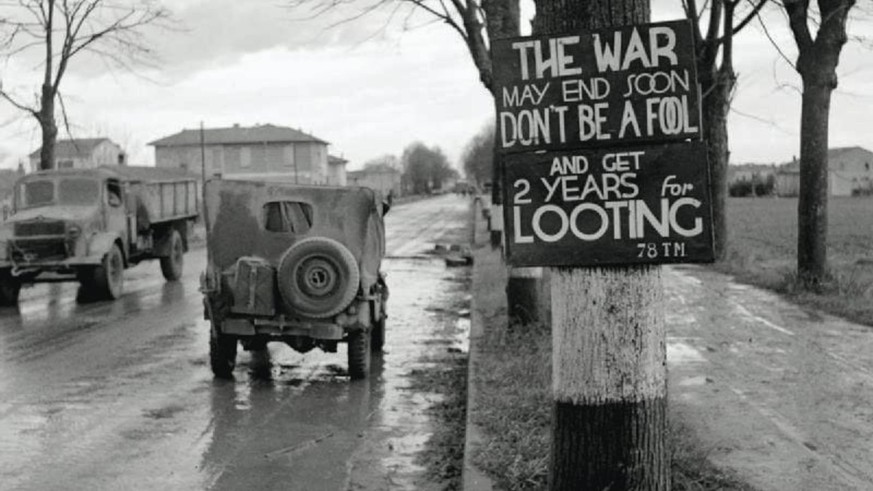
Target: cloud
218, 32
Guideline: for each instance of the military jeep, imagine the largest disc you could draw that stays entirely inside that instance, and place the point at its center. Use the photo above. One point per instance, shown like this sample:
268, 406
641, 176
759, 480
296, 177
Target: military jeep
293, 263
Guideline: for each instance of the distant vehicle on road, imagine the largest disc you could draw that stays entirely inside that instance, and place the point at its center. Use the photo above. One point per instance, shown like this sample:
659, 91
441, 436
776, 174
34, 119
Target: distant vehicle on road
293, 263
88, 225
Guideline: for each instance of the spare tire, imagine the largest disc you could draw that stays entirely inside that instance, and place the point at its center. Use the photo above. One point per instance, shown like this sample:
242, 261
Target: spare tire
318, 277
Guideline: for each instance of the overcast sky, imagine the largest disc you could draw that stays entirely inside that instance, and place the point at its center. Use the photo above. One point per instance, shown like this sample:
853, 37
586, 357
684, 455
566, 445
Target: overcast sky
371, 87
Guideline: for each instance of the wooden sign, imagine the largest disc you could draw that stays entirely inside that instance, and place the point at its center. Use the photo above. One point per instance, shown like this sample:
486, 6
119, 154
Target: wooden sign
611, 87
597, 207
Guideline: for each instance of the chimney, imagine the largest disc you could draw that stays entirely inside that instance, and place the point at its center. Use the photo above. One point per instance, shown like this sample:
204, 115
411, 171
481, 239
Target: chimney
236, 125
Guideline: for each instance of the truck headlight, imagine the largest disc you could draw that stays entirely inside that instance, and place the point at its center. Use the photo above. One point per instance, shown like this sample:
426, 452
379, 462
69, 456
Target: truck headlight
74, 231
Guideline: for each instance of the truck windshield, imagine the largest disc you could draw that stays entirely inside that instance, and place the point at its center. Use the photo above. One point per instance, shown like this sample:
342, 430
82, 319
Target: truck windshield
37, 193
66, 192
78, 192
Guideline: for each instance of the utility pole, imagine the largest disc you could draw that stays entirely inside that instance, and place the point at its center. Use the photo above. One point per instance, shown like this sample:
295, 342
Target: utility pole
601, 185
203, 177
202, 153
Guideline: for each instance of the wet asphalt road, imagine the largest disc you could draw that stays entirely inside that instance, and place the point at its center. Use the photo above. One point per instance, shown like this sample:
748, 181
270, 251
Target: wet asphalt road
119, 395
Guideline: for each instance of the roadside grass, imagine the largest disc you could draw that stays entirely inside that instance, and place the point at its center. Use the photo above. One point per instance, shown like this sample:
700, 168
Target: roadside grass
514, 404
514, 411
762, 250
443, 455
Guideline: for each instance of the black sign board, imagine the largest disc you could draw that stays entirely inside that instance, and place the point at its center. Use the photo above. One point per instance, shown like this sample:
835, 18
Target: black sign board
611, 87
597, 207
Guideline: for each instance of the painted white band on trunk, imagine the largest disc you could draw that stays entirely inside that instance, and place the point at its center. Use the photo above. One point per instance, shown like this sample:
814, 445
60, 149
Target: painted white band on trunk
608, 335
497, 218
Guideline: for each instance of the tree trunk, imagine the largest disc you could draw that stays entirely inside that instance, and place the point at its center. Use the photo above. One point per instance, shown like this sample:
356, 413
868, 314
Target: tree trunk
812, 207
49, 128
608, 338
717, 91
609, 379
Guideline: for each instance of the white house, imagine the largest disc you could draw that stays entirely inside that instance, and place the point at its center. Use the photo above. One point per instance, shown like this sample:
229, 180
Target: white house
83, 153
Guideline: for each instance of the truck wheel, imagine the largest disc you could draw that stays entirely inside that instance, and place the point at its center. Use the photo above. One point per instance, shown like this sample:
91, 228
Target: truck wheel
171, 266
318, 277
359, 354
10, 286
109, 277
377, 335
222, 353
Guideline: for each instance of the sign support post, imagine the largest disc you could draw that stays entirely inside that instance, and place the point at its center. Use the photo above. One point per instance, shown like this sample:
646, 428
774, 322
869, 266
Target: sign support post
597, 113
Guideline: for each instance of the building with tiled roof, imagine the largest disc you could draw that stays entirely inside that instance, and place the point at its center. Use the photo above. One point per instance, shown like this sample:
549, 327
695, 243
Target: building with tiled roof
850, 172
266, 149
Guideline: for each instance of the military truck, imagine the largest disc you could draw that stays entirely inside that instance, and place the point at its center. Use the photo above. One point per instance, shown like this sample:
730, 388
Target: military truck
298, 264
88, 225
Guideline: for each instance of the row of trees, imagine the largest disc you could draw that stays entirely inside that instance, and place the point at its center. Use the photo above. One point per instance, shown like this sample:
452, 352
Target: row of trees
423, 169
819, 31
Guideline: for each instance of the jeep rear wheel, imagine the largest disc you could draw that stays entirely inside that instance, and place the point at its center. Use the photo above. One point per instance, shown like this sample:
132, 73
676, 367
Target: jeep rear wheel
318, 277
359, 354
10, 286
171, 265
222, 353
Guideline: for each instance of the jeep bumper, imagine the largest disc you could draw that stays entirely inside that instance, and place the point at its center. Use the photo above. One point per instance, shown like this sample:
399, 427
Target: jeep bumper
281, 327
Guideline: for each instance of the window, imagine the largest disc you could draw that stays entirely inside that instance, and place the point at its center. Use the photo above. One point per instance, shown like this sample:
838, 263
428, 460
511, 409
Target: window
217, 166
287, 217
245, 157
65, 164
80, 192
288, 155
113, 190
37, 193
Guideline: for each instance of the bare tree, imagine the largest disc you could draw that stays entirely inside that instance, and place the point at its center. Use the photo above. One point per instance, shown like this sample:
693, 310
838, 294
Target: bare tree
817, 60
717, 80
384, 161
65, 29
478, 155
425, 168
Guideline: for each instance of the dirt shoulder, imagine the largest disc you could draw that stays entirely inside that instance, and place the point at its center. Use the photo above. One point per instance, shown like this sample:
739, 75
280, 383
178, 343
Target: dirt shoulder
781, 394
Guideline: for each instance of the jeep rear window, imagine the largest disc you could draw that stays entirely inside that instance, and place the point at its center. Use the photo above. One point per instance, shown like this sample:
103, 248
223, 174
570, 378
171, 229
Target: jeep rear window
287, 216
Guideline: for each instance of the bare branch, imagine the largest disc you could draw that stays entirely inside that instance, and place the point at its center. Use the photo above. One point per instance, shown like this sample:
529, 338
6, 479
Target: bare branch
774, 43
693, 14
64, 116
756, 9
8, 98
759, 119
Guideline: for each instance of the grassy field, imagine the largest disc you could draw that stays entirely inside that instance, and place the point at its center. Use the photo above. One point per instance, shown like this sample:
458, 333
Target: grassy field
762, 250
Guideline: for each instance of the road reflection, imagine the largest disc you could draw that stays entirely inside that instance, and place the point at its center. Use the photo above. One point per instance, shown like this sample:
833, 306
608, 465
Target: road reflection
300, 422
